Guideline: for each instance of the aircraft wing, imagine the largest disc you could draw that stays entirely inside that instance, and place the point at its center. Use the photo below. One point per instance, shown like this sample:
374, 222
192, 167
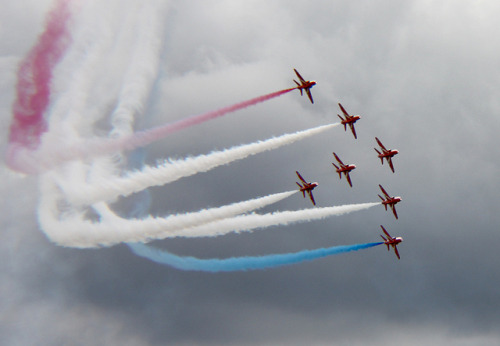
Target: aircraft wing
299, 76
351, 125
344, 111
386, 233
396, 251
338, 160
300, 177
383, 191
308, 92
380, 143
389, 161
312, 197
348, 177
394, 210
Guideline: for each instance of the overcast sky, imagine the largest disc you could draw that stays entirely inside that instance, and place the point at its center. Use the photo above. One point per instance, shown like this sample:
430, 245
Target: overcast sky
424, 78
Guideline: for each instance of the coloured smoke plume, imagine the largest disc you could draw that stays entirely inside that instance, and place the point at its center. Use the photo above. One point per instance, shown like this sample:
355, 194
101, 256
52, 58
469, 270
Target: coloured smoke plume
59, 135
241, 263
33, 88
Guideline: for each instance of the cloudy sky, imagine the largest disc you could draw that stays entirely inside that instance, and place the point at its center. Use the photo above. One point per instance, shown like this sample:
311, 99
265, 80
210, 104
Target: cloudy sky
423, 76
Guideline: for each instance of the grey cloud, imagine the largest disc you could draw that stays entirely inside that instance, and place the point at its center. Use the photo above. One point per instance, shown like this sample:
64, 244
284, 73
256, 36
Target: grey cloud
423, 81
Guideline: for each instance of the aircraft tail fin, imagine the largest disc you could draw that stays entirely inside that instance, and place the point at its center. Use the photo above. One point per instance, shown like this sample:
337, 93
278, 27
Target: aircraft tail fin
342, 119
298, 86
385, 205
378, 152
337, 167
385, 241
303, 191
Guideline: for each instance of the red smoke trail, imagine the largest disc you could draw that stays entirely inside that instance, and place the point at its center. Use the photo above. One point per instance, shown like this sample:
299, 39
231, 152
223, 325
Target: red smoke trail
143, 138
35, 162
33, 82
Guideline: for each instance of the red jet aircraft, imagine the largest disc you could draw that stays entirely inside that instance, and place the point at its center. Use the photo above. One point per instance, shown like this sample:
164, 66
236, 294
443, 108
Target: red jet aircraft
386, 153
349, 120
306, 187
391, 241
346, 169
389, 201
304, 85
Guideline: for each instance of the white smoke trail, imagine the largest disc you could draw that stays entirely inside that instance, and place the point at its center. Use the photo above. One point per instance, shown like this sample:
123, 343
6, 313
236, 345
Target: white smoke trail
255, 221
72, 228
107, 189
87, 77
143, 69
194, 219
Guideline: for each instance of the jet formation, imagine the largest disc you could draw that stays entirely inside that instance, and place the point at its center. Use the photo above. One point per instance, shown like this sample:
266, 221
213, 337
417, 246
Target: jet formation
384, 153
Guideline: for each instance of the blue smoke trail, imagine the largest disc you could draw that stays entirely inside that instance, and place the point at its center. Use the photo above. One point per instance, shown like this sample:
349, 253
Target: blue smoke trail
240, 263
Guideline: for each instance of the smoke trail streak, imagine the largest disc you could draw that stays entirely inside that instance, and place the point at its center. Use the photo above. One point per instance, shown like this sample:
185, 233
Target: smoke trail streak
193, 219
106, 189
140, 76
33, 83
241, 263
72, 229
245, 223
145, 137
46, 158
